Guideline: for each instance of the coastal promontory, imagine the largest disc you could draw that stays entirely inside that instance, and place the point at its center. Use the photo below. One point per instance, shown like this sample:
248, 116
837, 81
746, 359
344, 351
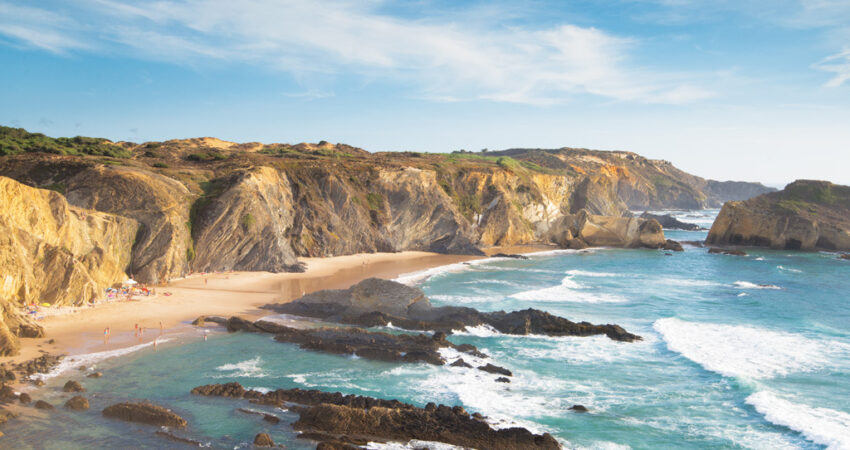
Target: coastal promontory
806, 215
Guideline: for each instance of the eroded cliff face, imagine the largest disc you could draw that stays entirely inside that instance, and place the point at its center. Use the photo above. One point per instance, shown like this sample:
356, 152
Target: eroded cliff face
205, 204
806, 215
52, 252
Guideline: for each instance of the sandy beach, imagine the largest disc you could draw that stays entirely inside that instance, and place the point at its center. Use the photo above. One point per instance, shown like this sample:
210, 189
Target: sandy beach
225, 294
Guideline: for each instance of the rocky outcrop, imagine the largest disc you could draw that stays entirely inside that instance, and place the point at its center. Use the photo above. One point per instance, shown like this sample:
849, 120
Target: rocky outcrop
352, 419
354, 341
669, 222
377, 302
145, 413
806, 215
587, 230
52, 252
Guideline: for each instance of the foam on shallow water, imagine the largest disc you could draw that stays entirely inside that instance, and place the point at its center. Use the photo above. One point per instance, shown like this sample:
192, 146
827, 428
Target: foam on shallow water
89, 359
247, 369
747, 352
822, 426
568, 291
748, 285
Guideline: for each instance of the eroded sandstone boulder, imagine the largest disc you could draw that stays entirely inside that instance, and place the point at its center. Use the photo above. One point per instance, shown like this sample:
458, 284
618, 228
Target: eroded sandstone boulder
77, 403
582, 229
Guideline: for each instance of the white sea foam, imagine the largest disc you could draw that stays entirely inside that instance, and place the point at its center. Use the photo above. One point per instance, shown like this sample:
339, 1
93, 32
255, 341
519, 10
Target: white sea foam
463, 299
568, 291
414, 444
743, 294
687, 282
747, 352
759, 259
479, 331
822, 426
584, 273
585, 349
748, 285
89, 359
789, 269
247, 369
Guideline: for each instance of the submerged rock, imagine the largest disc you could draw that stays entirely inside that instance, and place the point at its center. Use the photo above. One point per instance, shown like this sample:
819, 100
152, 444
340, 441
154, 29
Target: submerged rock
24, 398
509, 255
95, 375
145, 413
73, 386
41, 404
342, 420
77, 403
673, 246
376, 302
726, 251
578, 408
263, 440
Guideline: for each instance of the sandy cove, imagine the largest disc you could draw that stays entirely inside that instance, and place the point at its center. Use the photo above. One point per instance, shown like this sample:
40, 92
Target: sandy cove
225, 294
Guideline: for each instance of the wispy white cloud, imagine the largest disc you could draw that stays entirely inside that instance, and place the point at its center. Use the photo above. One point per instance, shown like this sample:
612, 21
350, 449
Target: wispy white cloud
839, 64
440, 59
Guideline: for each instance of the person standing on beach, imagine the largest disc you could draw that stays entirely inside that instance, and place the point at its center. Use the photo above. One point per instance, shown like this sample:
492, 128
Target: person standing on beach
160, 328
106, 335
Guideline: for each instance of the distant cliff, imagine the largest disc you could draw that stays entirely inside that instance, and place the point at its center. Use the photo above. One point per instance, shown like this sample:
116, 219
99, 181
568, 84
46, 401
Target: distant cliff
806, 215
159, 210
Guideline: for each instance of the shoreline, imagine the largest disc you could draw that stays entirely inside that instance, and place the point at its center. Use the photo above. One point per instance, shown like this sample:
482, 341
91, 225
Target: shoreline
225, 294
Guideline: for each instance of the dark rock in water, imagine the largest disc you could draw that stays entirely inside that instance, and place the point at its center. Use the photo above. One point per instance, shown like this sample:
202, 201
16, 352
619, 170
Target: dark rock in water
726, 251
670, 222
503, 380
267, 417
578, 408
7, 394
82, 368
24, 398
205, 320
699, 244
263, 440
365, 344
336, 445
375, 302
145, 413
461, 363
673, 246
490, 368
73, 386
844, 256
41, 404
341, 420
172, 437
38, 382
77, 403
42, 364
95, 375
509, 255
5, 416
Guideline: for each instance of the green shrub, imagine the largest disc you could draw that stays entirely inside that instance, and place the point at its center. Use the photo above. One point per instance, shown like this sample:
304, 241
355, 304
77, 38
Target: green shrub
14, 141
375, 201
160, 165
247, 221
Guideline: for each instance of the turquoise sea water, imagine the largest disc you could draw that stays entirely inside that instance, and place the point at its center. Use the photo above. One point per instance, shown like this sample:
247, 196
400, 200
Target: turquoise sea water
738, 352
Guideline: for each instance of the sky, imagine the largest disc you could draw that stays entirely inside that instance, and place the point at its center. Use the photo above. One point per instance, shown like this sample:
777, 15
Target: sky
753, 90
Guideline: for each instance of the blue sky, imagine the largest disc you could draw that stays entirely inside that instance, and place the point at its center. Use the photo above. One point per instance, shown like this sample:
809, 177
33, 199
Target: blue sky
749, 90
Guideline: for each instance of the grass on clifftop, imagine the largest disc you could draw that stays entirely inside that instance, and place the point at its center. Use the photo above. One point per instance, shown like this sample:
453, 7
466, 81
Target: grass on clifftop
14, 141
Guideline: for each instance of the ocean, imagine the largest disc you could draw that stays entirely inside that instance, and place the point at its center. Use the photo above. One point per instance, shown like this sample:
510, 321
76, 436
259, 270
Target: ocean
737, 352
